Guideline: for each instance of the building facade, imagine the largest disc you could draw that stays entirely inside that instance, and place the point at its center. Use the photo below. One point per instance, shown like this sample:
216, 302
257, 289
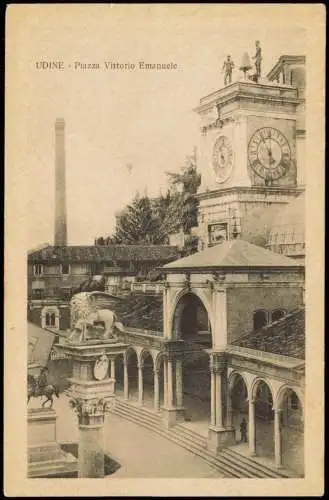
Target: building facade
56, 272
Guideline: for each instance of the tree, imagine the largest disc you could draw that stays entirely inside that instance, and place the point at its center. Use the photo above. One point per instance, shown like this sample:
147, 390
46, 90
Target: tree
140, 224
189, 180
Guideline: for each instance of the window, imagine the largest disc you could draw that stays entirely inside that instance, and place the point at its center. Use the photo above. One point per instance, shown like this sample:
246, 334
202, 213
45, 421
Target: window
50, 318
65, 268
293, 401
79, 269
52, 269
260, 319
66, 293
38, 269
37, 293
98, 268
217, 233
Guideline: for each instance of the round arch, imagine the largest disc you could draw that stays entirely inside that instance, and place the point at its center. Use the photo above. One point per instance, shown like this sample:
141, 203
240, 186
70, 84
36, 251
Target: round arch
144, 353
283, 391
131, 351
231, 380
178, 306
159, 360
254, 388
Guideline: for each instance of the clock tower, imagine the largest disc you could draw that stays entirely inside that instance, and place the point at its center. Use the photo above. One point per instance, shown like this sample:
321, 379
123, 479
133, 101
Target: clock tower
249, 153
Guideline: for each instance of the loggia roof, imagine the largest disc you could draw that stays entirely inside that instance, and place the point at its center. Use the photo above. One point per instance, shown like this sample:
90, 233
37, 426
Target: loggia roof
233, 254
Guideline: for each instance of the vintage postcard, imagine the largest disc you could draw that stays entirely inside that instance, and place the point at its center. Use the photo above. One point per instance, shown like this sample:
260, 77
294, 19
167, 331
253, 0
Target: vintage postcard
164, 243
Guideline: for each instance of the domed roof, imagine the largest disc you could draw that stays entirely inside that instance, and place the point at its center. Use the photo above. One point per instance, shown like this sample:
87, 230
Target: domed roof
257, 224
278, 228
287, 234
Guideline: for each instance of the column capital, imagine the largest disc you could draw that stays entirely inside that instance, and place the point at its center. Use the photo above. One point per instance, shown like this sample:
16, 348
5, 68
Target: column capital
277, 410
166, 285
92, 411
217, 362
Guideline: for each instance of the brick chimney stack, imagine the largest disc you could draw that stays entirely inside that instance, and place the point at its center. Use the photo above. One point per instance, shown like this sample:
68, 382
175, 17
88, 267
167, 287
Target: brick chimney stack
60, 184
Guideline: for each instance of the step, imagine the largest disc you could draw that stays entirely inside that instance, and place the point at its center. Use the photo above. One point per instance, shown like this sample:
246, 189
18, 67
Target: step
231, 463
202, 441
138, 416
227, 467
196, 438
239, 458
191, 433
154, 417
212, 461
246, 467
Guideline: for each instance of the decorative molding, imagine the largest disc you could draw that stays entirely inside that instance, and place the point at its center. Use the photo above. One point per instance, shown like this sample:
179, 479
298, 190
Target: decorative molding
91, 411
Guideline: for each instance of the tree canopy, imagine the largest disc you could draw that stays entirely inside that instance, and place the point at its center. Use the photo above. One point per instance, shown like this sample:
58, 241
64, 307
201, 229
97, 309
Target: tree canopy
150, 221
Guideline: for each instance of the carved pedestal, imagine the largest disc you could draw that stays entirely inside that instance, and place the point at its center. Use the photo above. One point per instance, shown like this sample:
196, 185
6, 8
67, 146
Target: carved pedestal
91, 391
45, 457
220, 438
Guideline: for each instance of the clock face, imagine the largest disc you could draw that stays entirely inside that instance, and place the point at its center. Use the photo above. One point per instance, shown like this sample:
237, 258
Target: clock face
269, 153
222, 158
101, 368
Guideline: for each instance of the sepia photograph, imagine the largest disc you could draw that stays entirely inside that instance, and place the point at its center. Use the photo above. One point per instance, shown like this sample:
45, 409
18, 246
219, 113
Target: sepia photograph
160, 195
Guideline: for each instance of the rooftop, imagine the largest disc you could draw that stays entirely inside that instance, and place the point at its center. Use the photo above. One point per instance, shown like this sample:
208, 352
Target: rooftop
285, 336
103, 253
40, 342
233, 254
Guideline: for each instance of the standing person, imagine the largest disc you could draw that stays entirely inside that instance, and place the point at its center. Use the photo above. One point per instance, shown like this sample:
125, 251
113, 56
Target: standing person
228, 68
243, 430
258, 60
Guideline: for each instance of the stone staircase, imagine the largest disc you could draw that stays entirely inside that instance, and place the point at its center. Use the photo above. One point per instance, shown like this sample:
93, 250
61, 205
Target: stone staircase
228, 462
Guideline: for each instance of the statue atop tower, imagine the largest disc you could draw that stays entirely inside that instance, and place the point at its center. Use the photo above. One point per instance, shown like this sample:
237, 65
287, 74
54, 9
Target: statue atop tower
228, 67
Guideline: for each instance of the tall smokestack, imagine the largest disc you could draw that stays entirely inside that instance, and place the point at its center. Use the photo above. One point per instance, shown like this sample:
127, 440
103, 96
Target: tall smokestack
60, 184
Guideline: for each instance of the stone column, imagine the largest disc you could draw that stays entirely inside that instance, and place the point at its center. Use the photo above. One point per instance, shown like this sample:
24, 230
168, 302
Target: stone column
156, 391
179, 383
140, 384
252, 428
125, 378
91, 450
277, 439
112, 372
170, 384
165, 383
213, 399
229, 416
219, 402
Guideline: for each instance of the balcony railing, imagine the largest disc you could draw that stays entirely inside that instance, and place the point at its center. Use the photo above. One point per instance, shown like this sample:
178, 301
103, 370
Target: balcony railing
266, 356
146, 287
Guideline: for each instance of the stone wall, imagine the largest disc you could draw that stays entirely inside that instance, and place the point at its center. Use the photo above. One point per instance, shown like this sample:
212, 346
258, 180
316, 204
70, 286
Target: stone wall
242, 302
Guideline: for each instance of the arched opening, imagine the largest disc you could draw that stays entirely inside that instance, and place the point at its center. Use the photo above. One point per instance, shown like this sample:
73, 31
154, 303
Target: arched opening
53, 319
277, 314
48, 321
292, 431
239, 403
132, 368
264, 420
50, 318
148, 379
260, 319
191, 324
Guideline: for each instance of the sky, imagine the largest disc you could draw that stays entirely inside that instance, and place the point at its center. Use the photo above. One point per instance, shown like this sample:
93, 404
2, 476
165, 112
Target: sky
117, 118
